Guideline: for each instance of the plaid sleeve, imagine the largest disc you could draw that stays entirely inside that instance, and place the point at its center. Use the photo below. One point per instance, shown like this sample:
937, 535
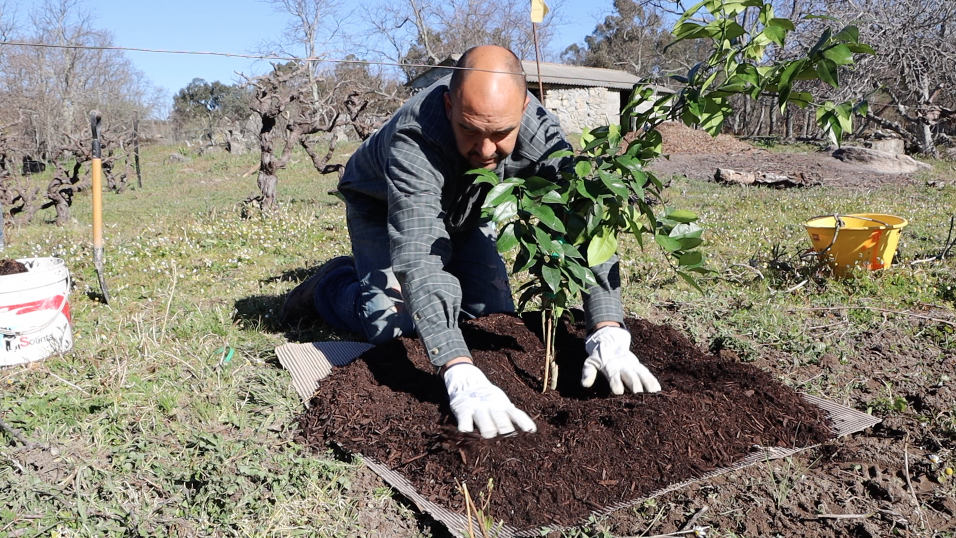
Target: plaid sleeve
420, 245
603, 302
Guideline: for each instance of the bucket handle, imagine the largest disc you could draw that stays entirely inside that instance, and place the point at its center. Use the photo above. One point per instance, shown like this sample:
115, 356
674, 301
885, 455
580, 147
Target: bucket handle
839, 221
8, 332
837, 224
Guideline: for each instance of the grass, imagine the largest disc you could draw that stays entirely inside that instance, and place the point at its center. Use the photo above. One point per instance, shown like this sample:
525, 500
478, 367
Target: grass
149, 433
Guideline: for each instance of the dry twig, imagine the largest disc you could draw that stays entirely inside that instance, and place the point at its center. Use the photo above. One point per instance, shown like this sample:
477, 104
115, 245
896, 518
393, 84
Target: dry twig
909, 484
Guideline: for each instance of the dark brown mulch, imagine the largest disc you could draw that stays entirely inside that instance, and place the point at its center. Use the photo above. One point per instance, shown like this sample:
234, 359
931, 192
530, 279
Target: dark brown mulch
11, 267
591, 449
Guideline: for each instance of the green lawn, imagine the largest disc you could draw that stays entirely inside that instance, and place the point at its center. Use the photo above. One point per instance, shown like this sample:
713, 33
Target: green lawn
143, 430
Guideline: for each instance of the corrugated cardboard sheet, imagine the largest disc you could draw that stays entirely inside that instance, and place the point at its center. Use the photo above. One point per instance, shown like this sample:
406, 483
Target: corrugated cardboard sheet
310, 363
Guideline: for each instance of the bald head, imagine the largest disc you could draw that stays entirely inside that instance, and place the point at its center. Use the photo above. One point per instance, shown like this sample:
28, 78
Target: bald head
490, 63
485, 104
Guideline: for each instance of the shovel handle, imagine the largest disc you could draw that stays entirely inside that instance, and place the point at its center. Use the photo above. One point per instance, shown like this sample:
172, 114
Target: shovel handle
97, 172
95, 119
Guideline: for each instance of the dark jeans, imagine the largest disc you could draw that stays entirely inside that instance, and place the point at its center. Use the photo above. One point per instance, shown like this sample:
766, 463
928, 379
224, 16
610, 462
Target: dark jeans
369, 300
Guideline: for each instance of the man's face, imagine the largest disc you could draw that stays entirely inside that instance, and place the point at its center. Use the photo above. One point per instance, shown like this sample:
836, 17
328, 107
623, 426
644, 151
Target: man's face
485, 120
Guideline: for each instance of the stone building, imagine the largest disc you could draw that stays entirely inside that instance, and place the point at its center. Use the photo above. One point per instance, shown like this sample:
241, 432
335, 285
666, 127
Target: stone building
579, 96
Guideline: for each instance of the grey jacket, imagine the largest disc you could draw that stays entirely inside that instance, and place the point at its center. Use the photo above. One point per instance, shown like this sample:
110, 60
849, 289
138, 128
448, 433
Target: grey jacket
413, 168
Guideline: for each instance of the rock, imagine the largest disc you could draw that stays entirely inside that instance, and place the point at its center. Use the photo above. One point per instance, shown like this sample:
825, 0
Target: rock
726, 175
889, 145
177, 158
878, 161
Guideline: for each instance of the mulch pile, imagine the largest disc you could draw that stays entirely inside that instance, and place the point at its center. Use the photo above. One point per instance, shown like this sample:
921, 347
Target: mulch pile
591, 450
681, 139
12, 267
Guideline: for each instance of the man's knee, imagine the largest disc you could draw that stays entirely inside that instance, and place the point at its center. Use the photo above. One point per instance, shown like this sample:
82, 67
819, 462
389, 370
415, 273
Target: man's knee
386, 318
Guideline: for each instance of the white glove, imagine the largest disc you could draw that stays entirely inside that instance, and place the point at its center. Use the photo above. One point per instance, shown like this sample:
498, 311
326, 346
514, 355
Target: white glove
609, 350
475, 401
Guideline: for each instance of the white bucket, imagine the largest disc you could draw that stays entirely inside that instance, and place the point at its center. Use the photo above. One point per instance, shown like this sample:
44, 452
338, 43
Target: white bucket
35, 317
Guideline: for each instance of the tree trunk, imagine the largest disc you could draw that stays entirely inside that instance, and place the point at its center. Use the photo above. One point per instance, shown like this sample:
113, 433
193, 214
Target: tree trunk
763, 111
741, 116
267, 187
807, 113
773, 121
926, 142
788, 130
267, 164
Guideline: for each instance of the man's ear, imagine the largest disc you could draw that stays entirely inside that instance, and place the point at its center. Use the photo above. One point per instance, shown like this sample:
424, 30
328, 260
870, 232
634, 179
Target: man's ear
448, 105
527, 99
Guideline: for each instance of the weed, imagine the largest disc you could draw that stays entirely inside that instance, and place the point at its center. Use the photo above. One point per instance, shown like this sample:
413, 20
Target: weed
487, 528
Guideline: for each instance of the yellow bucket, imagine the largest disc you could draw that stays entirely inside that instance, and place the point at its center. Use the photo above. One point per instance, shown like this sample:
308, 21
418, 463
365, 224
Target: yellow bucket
866, 240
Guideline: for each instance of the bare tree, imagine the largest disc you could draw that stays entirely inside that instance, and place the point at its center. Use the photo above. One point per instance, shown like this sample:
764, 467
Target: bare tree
56, 87
914, 69
417, 33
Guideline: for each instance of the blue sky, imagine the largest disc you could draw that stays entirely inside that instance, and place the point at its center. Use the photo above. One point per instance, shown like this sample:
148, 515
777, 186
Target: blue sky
235, 27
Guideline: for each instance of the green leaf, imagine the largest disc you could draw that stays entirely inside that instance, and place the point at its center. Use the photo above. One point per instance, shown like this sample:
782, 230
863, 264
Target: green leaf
538, 186
583, 188
790, 71
850, 33
614, 183
560, 154
595, 217
827, 70
499, 193
801, 99
526, 297
546, 215
602, 247
682, 215
839, 54
688, 30
584, 274
691, 258
484, 176
571, 251
583, 169
543, 239
507, 239
525, 257
690, 280
686, 229
506, 211
775, 34
786, 24
552, 277
687, 243
553, 197
691, 11
669, 244
824, 39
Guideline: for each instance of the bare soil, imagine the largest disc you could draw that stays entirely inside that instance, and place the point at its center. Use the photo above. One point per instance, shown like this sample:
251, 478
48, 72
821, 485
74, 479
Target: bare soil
591, 450
880, 482
11, 267
696, 155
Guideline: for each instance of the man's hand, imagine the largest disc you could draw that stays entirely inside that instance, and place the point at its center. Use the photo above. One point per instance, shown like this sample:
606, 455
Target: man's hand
609, 350
475, 401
